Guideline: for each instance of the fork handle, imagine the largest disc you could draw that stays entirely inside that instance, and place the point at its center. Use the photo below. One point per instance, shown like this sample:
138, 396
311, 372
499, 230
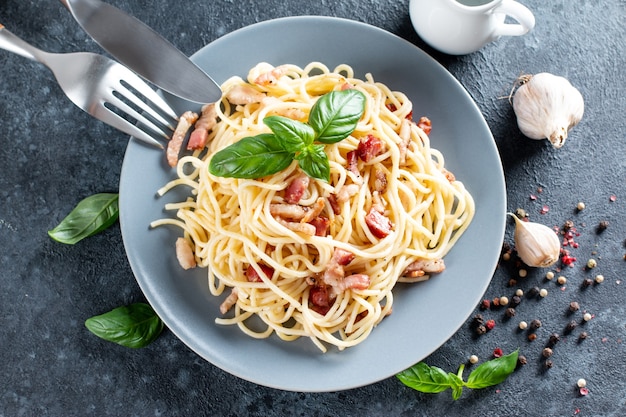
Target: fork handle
12, 43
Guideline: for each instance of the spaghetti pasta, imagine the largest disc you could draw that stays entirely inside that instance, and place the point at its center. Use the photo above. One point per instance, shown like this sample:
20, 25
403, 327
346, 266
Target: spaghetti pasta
324, 266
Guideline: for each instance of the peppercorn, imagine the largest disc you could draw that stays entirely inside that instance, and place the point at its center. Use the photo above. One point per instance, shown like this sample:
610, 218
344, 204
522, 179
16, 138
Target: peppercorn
602, 226
548, 364
523, 325
521, 213
495, 302
477, 320
510, 312
581, 383
561, 280
592, 263
546, 352
485, 304
497, 353
587, 316
481, 330
533, 292
504, 300
599, 279
521, 360
571, 326
532, 337
587, 282
553, 339
512, 282
535, 324
580, 206
519, 292
550, 275
522, 273
582, 336
490, 324
573, 306
543, 293
568, 225
473, 359
515, 301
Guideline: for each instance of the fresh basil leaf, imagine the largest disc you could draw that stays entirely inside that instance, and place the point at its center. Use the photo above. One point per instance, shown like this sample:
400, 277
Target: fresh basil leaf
336, 114
314, 162
251, 157
134, 326
456, 383
492, 372
294, 135
90, 216
424, 378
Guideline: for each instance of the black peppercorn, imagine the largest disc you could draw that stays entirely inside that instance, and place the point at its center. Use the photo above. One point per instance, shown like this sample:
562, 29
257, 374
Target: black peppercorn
573, 306
515, 300
582, 336
571, 326
553, 339
521, 360
548, 364
481, 329
535, 324
587, 282
478, 320
533, 292
546, 352
510, 312
602, 226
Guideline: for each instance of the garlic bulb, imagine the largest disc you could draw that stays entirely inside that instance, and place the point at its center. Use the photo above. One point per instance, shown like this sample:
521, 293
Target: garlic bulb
537, 245
547, 107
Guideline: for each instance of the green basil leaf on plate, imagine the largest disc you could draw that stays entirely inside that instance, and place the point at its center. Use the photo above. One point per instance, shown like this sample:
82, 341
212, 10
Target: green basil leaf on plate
294, 135
90, 216
335, 115
134, 326
250, 158
314, 162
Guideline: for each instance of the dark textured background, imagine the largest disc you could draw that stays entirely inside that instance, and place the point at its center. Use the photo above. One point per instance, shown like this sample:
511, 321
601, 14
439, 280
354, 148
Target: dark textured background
52, 155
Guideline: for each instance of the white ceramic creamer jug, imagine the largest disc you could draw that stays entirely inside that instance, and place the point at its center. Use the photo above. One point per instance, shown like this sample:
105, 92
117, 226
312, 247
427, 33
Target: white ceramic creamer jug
459, 27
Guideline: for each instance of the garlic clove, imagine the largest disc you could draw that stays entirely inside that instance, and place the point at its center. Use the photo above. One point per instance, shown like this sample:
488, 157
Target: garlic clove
537, 245
547, 106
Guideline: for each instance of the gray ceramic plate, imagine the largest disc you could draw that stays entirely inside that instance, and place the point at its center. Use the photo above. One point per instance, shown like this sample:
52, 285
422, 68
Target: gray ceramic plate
424, 315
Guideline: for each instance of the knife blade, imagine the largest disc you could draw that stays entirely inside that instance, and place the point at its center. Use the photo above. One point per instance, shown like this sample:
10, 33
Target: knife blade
144, 51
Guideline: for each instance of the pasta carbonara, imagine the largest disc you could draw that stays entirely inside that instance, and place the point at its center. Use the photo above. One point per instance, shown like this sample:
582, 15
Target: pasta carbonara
298, 257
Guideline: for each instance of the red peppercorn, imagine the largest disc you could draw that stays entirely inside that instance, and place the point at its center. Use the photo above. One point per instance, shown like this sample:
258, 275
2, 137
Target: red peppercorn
485, 304
497, 352
490, 324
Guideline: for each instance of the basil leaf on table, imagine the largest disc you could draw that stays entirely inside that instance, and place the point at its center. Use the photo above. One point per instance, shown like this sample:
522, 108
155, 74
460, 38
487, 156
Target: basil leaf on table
492, 372
336, 114
251, 157
432, 380
90, 216
424, 378
134, 326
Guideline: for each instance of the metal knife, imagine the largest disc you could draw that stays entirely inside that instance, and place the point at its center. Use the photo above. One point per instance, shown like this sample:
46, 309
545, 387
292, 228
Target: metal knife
144, 51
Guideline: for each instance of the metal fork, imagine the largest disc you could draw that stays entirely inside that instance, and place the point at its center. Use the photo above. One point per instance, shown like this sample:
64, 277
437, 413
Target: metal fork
105, 89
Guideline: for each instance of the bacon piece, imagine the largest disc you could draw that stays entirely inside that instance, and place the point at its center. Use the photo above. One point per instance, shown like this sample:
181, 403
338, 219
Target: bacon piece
352, 158
425, 124
344, 194
206, 122
244, 94
253, 276
184, 253
421, 267
185, 121
346, 86
305, 228
369, 148
380, 180
378, 223
270, 77
321, 224
288, 211
230, 301
279, 109
355, 282
296, 188
334, 272
319, 298
314, 211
